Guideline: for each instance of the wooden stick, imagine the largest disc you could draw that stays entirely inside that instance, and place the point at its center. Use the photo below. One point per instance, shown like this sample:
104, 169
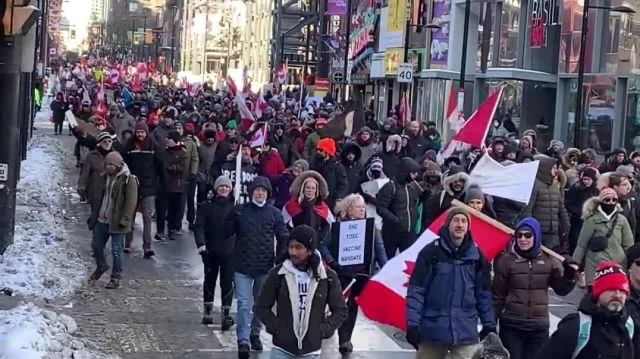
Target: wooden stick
502, 227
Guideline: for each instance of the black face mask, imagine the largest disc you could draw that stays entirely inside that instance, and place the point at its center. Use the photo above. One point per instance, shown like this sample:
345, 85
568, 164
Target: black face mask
608, 208
433, 180
319, 157
376, 174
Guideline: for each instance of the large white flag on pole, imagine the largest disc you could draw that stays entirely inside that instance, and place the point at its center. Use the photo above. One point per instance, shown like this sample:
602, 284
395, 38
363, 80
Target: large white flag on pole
514, 182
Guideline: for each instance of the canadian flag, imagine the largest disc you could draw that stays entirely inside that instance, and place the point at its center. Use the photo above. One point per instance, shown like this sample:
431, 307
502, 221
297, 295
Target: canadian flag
453, 115
260, 104
383, 297
474, 131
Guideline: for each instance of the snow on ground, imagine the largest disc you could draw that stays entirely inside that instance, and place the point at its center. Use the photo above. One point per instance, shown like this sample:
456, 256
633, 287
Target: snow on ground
42, 262
28, 332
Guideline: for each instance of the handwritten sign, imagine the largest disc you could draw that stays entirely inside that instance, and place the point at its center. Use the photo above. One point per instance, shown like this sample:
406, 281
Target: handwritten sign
352, 242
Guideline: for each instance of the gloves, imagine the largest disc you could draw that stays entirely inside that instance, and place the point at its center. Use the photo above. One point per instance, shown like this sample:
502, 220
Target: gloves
485, 331
570, 265
413, 336
202, 250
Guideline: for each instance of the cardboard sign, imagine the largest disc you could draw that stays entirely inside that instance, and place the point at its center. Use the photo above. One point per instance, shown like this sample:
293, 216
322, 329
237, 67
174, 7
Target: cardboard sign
352, 242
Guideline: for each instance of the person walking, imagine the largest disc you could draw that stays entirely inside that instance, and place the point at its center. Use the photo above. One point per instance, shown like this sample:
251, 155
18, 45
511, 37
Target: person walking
301, 288
169, 199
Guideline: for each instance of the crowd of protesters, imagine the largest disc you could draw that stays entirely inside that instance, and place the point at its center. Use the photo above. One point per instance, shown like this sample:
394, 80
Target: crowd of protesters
171, 154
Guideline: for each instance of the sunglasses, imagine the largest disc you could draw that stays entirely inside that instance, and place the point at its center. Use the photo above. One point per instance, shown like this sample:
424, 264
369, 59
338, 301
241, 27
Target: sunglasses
610, 200
527, 235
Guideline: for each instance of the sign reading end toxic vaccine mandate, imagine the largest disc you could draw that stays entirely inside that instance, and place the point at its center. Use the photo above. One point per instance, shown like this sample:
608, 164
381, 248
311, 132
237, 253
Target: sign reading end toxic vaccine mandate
352, 242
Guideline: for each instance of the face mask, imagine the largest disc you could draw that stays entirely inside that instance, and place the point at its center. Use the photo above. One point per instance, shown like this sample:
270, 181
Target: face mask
608, 208
376, 174
259, 204
433, 180
496, 123
319, 157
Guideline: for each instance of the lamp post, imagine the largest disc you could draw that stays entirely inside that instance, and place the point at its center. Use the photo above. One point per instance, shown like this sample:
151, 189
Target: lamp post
583, 42
463, 56
407, 28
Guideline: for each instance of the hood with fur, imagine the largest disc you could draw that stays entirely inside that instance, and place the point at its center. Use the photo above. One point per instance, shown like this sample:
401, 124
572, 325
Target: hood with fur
391, 140
589, 207
296, 186
453, 174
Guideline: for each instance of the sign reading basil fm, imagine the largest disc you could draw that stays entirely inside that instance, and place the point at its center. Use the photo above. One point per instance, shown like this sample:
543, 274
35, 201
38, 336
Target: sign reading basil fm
543, 14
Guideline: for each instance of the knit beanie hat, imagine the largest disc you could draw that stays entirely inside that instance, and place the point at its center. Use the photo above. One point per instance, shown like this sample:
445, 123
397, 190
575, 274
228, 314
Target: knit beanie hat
609, 276
232, 124
625, 170
432, 155
174, 135
222, 181
209, 133
327, 145
473, 192
432, 170
304, 235
102, 136
453, 212
590, 172
607, 192
303, 164
141, 126
113, 158
633, 253
634, 154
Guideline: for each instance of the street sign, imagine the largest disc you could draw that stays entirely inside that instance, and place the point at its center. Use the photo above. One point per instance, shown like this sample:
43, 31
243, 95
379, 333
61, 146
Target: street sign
405, 73
338, 77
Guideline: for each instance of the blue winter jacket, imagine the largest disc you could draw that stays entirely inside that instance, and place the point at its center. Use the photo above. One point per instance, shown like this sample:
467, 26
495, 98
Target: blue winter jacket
448, 291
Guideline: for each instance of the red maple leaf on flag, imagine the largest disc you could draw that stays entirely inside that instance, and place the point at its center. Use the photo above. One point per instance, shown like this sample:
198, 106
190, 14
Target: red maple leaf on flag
408, 270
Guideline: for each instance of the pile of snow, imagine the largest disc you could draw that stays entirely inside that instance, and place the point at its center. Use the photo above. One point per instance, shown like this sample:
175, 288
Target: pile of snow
42, 262
28, 332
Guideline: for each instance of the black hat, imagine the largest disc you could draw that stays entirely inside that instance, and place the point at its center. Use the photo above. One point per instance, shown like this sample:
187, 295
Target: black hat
591, 173
174, 135
633, 253
304, 235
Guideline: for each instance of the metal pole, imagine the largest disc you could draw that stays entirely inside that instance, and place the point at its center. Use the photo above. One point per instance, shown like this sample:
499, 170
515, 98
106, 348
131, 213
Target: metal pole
204, 45
463, 57
407, 28
583, 44
144, 39
346, 53
173, 38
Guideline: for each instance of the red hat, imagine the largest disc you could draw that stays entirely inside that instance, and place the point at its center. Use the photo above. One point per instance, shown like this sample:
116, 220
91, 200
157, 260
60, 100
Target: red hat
328, 145
609, 276
321, 121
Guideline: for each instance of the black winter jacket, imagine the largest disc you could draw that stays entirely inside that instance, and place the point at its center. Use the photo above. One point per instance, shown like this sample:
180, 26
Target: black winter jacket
608, 337
284, 145
397, 200
354, 170
145, 163
336, 176
209, 229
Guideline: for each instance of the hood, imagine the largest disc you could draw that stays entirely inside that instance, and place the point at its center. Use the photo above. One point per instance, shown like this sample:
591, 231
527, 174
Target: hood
391, 140
365, 129
445, 238
296, 186
407, 165
261, 181
453, 174
537, 231
353, 148
603, 180
544, 168
591, 205
572, 151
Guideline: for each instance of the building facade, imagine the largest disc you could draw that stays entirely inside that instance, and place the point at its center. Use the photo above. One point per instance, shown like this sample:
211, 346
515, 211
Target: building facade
256, 42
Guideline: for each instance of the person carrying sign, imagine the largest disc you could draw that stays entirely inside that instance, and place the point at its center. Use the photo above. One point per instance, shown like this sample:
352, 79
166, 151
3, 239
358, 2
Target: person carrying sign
352, 208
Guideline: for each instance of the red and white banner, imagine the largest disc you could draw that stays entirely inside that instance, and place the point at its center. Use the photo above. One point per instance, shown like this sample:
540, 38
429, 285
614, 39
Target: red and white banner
453, 115
383, 297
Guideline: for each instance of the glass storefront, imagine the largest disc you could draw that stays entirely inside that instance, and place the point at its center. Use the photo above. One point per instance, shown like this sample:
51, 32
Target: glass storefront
509, 109
431, 101
509, 33
632, 118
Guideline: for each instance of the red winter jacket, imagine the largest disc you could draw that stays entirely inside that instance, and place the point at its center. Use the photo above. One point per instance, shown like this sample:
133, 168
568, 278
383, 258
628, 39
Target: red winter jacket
272, 164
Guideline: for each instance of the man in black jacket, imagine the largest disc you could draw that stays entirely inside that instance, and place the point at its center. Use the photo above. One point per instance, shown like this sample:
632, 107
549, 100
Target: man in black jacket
350, 159
255, 225
333, 171
283, 143
602, 327
454, 183
139, 153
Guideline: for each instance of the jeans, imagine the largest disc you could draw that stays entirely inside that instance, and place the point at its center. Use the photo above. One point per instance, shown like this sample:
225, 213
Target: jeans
145, 206
433, 351
99, 242
247, 289
57, 126
214, 264
277, 353
523, 344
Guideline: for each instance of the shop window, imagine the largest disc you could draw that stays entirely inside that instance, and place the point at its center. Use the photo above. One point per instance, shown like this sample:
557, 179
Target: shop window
485, 36
509, 33
508, 113
632, 118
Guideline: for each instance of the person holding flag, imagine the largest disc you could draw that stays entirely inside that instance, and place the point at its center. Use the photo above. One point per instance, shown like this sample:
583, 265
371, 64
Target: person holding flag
449, 290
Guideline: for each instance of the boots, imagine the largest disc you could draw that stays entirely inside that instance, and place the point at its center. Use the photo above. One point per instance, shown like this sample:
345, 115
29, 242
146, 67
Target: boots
227, 320
207, 318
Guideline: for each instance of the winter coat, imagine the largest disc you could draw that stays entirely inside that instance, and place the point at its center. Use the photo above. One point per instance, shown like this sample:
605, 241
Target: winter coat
255, 229
336, 176
192, 161
123, 192
397, 201
575, 198
90, 179
631, 210
280, 289
608, 337
417, 146
520, 288
390, 160
507, 211
633, 306
281, 185
271, 164
122, 122
354, 170
547, 203
206, 155
175, 169
284, 145
448, 291
209, 228
159, 137
440, 202
315, 214
58, 109
145, 163
309, 151
368, 148
597, 224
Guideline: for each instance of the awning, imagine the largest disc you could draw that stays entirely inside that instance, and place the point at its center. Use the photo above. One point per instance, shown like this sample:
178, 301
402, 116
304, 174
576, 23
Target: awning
507, 73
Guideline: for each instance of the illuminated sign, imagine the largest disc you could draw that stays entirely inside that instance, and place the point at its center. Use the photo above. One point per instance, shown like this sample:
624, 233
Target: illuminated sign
542, 16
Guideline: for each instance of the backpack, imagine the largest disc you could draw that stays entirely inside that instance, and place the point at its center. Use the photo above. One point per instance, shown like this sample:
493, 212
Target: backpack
584, 332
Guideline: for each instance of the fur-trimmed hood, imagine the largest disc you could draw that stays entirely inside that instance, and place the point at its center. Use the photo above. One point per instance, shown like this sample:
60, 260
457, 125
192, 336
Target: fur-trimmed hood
296, 186
391, 140
589, 207
452, 175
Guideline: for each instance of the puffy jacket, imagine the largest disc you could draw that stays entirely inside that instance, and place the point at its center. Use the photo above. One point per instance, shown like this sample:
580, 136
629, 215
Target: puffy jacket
596, 224
255, 229
209, 229
521, 286
448, 291
608, 337
397, 200
144, 162
159, 137
175, 170
353, 168
547, 202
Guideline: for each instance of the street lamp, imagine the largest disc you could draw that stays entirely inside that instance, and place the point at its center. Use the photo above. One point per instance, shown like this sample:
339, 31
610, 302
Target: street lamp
408, 26
577, 124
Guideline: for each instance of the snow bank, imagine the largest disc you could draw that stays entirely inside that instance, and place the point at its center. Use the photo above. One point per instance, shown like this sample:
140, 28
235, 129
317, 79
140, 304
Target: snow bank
28, 332
42, 262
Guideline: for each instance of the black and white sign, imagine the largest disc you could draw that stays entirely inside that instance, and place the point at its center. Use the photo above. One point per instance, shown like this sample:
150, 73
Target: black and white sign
338, 76
405, 73
352, 242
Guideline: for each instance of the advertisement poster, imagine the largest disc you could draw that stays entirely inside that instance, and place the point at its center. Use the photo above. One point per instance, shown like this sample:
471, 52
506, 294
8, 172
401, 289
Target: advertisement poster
336, 7
395, 23
392, 57
439, 53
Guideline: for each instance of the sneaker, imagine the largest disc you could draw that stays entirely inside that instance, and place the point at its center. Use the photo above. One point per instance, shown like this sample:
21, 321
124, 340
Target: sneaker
126, 250
172, 235
148, 254
345, 348
256, 344
98, 273
178, 232
159, 237
243, 351
113, 284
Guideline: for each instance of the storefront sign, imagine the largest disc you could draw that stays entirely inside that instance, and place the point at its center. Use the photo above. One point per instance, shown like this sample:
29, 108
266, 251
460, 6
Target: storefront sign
392, 58
336, 7
377, 66
542, 16
440, 38
362, 36
322, 84
418, 57
359, 79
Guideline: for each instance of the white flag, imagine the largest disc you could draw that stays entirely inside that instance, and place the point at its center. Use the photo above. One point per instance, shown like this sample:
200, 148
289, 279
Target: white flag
514, 182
